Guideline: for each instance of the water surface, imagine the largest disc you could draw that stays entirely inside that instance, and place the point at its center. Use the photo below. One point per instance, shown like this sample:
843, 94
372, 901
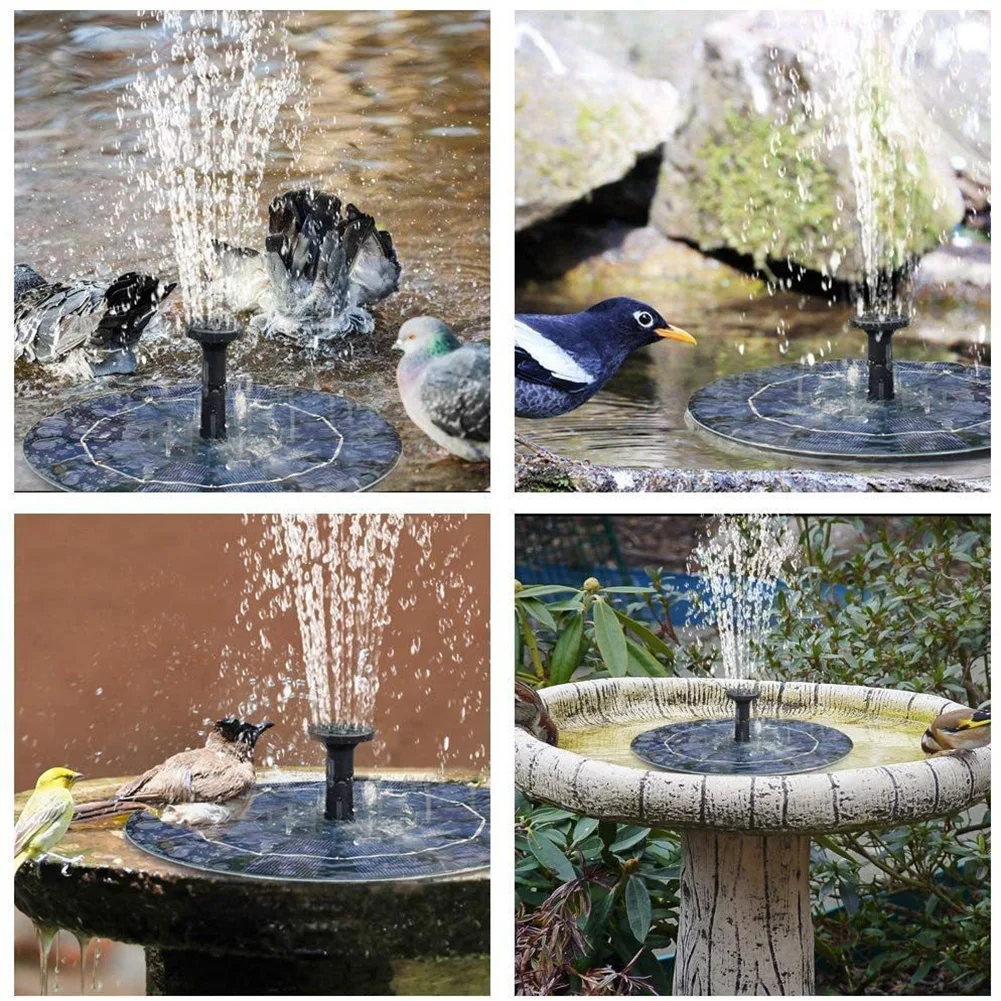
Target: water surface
638, 419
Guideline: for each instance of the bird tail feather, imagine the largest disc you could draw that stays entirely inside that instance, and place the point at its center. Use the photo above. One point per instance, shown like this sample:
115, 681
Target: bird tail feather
131, 301
102, 809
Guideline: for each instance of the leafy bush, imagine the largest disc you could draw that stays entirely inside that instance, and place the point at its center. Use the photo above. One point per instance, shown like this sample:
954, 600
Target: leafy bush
904, 911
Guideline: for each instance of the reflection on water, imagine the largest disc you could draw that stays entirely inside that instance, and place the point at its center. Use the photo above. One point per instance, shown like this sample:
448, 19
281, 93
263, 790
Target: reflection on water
639, 418
399, 124
890, 742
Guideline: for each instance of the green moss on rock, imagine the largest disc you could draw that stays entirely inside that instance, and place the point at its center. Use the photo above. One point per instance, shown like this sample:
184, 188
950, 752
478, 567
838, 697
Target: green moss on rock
760, 191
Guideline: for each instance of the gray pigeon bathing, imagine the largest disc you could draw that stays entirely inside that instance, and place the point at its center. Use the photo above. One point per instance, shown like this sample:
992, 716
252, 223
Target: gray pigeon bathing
320, 271
99, 322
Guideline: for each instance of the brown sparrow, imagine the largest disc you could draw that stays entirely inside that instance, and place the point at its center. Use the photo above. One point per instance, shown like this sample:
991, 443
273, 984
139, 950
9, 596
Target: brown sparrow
530, 713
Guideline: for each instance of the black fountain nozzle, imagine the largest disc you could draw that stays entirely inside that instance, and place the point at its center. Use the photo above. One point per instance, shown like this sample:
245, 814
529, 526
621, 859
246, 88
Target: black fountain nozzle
340, 740
742, 717
880, 328
214, 339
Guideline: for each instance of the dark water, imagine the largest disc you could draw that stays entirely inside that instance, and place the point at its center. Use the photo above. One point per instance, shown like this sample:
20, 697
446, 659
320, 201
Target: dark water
399, 125
639, 418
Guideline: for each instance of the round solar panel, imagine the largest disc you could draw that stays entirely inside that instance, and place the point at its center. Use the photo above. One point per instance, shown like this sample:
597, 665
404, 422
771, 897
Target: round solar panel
940, 409
401, 830
280, 439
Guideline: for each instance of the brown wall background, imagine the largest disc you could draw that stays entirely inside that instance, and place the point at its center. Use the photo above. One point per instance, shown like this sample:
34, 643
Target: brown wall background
121, 623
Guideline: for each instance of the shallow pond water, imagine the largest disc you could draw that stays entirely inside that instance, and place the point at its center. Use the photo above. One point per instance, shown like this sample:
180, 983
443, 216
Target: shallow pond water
639, 418
398, 124
891, 742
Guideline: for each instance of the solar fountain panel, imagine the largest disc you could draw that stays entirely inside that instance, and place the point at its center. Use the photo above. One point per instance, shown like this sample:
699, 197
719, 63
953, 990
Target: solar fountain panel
281, 439
939, 409
707, 747
402, 830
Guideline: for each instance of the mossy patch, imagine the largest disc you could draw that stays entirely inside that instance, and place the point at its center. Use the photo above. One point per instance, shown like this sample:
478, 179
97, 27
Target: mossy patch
448, 975
763, 188
760, 191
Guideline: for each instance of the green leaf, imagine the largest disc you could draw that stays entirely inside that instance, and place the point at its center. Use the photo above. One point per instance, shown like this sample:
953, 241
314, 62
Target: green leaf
537, 590
552, 859
628, 590
537, 609
611, 640
645, 659
650, 639
566, 653
629, 838
584, 828
638, 908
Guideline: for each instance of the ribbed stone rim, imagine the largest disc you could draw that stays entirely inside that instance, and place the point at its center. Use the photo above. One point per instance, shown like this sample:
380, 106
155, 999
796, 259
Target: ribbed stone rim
851, 799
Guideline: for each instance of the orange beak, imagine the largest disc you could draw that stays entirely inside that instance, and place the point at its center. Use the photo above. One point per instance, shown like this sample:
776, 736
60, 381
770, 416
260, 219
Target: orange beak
673, 333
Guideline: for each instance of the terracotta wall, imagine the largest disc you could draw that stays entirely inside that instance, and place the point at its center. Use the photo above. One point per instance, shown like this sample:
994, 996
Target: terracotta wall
122, 623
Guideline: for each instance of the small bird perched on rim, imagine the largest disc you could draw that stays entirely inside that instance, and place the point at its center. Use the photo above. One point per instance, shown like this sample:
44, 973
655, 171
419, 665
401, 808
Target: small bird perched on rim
46, 816
531, 715
957, 730
105, 320
445, 387
560, 362
319, 272
205, 785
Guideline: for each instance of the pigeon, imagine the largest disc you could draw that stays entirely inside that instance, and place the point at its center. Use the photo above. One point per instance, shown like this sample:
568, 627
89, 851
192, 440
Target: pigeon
100, 321
956, 730
560, 362
445, 387
320, 271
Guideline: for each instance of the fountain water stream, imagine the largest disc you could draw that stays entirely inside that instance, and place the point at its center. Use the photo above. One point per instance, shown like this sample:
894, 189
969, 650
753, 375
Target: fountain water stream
741, 561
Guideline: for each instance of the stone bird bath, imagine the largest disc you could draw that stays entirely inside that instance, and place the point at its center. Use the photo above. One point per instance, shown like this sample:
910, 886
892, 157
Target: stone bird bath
207, 932
745, 925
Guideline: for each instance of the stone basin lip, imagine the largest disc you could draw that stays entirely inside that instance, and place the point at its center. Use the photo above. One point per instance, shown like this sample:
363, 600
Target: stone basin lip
874, 797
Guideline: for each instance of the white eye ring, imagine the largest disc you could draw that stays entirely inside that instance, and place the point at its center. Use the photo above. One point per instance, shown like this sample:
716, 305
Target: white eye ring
643, 318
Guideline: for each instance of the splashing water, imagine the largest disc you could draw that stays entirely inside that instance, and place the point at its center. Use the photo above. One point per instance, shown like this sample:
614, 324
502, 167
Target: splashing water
300, 566
339, 577
868, 57
741, 560
207, 121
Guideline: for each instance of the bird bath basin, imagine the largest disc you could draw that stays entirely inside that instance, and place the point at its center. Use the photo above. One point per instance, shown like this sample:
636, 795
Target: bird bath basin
744, 924
214, 437
281, 900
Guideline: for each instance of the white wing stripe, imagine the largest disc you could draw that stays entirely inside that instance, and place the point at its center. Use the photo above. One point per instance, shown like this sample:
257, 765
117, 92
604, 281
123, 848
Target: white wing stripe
549, 355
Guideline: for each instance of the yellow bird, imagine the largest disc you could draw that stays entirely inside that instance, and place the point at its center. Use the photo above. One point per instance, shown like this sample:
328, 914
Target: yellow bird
46, 816
959, 729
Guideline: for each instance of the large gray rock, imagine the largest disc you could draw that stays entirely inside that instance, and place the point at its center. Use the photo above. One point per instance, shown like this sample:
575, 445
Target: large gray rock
751, 168
581, 121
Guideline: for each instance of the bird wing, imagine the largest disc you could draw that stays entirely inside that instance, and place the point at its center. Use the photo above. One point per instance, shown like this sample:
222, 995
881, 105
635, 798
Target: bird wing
52, 320
196, 776
539, 358
373, 266
455, 392
41, 813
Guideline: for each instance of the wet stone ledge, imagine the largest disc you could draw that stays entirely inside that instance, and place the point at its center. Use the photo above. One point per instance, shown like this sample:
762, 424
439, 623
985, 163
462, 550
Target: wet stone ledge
545, 471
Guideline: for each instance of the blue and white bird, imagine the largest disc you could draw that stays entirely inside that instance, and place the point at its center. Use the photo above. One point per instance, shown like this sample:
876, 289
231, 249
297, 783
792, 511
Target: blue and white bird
560, 362
445, 387
319, 274
97, 323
